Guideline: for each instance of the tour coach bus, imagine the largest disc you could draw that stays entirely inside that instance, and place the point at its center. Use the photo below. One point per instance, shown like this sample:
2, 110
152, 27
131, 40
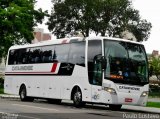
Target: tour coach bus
101, 70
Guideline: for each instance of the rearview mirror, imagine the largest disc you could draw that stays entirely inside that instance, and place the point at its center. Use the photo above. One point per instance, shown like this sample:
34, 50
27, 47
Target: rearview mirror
102, 60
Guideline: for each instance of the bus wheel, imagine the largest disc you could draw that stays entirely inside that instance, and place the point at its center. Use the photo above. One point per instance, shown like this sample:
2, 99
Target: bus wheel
23, 93
115, 107
77, 99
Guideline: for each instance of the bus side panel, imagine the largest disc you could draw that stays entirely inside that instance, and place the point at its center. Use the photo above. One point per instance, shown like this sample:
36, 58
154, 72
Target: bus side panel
50, 86
8, 85
80, 78
13, 83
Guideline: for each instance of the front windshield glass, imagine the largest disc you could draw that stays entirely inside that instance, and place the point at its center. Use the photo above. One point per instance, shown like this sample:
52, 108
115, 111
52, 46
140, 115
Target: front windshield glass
126, 62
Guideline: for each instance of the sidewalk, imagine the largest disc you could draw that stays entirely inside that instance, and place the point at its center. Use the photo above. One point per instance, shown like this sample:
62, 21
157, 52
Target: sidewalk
9, 96
142, 109
125, 107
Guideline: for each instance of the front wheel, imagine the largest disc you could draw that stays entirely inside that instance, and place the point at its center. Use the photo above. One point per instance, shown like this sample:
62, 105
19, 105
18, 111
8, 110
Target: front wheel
115, 107
77, 99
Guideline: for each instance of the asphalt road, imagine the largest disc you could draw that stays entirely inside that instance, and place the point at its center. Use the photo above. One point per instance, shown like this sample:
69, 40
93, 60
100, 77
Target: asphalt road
41, 109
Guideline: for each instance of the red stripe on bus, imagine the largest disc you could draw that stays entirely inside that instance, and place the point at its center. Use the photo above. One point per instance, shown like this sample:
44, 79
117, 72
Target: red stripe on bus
64, 41
28, 72
54, 67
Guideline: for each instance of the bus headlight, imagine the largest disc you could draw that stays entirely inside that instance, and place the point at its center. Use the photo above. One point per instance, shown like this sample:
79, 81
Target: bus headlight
110, 90
145, 93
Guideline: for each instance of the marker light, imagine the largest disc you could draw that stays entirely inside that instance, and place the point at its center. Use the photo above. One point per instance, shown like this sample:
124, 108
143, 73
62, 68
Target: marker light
110, 90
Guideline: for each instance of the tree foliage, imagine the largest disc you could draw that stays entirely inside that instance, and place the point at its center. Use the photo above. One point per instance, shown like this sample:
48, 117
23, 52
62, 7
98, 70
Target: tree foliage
155, 66
111, 17
17, 19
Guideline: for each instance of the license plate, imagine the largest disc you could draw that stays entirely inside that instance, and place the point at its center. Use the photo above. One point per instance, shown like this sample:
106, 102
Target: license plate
128, 100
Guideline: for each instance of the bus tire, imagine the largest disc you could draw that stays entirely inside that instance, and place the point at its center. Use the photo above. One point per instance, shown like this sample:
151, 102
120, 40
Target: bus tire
23, 93
77, 98
115, 107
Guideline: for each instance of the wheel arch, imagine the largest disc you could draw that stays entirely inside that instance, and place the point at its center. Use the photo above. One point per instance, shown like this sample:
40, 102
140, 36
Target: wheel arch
22, 85
76, 87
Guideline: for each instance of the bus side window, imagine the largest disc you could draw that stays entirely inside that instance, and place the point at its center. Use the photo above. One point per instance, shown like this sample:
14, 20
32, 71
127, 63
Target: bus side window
77, 53
47, 58
94, 70
11, 57
15, 57
26, 57
47, 54
61, 53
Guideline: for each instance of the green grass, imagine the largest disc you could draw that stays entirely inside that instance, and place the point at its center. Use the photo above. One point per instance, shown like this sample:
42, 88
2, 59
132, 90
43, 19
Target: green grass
153, 104
1, 89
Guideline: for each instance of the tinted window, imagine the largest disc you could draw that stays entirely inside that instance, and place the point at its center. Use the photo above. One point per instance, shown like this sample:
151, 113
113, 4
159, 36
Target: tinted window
33, 55
47, 54
77, 53
61, 52
16, 56
12, 58
21, 55
126, 62
94, 66
94, 49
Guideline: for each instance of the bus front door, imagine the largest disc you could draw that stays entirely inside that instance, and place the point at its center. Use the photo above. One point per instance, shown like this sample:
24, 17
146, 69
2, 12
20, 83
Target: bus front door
94, 69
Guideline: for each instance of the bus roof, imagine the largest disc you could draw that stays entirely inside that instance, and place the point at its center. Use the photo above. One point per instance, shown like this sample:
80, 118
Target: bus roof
69, 40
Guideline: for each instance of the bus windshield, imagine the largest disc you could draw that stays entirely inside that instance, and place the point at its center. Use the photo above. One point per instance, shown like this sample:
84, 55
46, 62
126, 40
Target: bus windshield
126, 62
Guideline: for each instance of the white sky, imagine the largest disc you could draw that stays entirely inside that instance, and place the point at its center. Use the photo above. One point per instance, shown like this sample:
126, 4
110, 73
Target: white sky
149, 10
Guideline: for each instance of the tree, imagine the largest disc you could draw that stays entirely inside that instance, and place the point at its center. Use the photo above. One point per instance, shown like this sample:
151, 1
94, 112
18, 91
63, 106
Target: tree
111, 17
155, 65
17, 19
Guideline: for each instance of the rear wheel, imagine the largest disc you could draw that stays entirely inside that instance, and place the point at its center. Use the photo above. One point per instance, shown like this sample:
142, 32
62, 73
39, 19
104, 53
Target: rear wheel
115, 107
23, 93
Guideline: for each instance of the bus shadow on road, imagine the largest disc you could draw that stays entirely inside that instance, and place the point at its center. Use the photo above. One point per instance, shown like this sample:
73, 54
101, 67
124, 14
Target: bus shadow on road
105, 107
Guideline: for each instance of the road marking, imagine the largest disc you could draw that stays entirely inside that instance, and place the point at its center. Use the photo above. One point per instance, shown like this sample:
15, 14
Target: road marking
28, 117
7, 115
49, 109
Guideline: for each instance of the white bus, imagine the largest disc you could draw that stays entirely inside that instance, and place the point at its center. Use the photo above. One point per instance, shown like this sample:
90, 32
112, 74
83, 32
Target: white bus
101, 70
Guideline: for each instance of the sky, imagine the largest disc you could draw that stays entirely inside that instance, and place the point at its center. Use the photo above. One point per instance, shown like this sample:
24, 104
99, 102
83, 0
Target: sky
148, 9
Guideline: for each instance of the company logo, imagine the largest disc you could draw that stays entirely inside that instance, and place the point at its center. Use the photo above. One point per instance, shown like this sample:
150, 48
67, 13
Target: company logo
21, 68
68, 67
96, 96
129, 88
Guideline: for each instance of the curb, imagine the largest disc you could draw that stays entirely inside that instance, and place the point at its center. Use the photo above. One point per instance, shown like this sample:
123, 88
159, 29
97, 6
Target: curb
9, 96
142, 109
